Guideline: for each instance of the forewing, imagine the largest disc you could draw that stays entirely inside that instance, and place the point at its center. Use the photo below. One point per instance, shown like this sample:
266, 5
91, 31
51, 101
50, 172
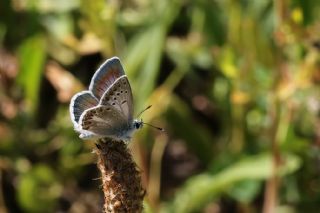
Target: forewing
105, 76
119, 95
103, 121
79, 103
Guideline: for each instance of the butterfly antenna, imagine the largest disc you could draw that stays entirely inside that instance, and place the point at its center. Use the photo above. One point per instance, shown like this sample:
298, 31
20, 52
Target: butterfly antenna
158, 128
148, 107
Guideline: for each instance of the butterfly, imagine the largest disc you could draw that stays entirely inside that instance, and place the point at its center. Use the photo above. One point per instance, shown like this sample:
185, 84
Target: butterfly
106, 109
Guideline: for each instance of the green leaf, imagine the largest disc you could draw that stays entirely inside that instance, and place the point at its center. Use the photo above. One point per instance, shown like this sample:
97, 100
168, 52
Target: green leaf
245, 191
38, 189
145, 51
143, 62
203, 188
32, 54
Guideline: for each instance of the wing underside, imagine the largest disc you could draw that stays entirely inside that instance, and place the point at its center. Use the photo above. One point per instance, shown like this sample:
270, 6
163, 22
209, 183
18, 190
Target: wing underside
81, 102
104, 121
105, 76
119, 95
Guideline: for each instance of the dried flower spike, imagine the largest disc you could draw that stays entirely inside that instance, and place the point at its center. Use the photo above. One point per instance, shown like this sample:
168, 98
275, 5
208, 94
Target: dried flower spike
121, 179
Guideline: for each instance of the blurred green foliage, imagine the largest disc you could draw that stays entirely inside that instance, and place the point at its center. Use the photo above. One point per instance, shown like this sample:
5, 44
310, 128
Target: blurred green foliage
234, 83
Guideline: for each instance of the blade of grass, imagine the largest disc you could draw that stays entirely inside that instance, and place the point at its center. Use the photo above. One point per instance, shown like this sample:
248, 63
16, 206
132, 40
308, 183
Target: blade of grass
205, 187
32, 54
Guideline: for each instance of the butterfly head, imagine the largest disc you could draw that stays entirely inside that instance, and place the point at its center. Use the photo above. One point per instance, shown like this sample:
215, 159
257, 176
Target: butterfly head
137, 124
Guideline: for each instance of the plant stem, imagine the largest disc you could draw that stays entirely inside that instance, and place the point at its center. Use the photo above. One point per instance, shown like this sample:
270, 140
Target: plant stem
121, 179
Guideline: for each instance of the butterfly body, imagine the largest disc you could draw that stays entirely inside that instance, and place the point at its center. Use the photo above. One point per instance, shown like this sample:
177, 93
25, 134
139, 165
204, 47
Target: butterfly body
124, 134
106, 109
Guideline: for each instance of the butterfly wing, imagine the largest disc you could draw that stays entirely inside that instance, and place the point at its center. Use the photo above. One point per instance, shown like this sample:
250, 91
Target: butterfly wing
105, 76
112, 116
104, 121
79, 103
119, 96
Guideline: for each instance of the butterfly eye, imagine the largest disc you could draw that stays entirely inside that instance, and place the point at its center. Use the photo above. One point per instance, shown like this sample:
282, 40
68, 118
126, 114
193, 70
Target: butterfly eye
136, 125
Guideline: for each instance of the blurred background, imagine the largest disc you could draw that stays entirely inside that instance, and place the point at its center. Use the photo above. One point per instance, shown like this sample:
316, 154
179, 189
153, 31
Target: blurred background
234, 83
